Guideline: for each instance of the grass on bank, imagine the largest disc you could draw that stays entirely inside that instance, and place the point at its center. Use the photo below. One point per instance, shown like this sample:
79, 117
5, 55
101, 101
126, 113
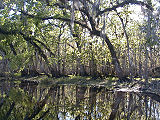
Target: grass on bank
79, 80
109, 82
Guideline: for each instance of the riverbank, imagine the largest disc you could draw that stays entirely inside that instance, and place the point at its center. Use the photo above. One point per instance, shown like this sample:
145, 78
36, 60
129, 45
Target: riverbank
111, 83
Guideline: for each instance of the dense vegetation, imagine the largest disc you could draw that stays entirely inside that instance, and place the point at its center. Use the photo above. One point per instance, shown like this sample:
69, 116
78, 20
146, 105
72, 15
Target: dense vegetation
80, 37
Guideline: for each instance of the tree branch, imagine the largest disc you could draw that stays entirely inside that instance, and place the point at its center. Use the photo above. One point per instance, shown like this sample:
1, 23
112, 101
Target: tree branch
66, 20
14, 32
57, 18
62, 6
83, 10
10, 110
13, 49
45, 47
127, 2
29, 39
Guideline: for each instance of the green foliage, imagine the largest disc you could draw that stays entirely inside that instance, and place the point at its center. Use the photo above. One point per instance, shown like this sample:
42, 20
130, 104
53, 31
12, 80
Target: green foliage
23, 104
48, 26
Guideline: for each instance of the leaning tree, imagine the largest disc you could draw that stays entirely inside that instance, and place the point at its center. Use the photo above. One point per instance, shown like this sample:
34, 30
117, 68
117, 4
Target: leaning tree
91, 16
88, 14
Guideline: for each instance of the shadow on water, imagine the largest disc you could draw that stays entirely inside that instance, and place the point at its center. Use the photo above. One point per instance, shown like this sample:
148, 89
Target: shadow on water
30, 101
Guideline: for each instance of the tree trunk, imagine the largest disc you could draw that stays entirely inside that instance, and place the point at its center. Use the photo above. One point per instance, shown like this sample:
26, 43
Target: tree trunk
115, 61
128, 46
80, 66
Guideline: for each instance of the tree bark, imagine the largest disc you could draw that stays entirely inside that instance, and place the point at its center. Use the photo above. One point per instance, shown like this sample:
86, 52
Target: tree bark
115, 61
128, 46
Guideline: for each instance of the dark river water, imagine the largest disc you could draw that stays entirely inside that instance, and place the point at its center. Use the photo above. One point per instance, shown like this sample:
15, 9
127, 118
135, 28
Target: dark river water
31, 101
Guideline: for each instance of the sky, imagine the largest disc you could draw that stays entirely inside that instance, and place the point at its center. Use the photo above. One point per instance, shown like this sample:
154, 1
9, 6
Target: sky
137, 14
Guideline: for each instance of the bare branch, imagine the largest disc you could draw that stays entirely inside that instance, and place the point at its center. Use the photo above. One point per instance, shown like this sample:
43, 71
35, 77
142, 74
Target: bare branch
83, 10
71, 46
68, 20
127, 2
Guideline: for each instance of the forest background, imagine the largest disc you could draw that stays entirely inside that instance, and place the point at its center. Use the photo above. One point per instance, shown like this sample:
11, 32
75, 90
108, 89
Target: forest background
97, 38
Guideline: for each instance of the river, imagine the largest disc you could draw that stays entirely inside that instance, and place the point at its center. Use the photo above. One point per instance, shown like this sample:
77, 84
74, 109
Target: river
33, 101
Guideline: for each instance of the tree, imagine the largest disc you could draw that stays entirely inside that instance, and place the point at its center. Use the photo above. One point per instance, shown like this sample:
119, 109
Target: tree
90, 13
37, 24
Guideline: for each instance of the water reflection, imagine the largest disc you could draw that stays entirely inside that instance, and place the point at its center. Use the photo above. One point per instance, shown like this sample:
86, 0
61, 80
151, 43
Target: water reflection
30, 101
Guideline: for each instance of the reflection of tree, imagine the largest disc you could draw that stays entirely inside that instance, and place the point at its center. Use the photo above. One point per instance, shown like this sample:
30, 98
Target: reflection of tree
9, 111
29, 86
80, 92
93, 92
39, 105
115, 106
78, 102
92, 100
151, 105
134, 105
131, 105
54, 91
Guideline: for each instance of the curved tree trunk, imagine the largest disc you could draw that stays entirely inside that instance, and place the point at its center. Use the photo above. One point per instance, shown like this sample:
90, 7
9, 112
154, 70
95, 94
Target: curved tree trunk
115, 61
